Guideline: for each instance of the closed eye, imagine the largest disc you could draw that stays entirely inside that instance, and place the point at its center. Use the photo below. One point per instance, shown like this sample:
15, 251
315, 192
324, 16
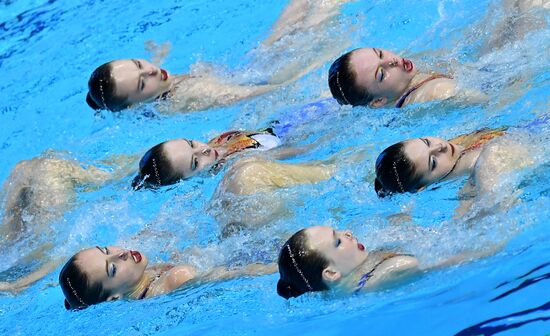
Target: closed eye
194, 162
112, 270
433, 163
141, 84
338, 242
382, 74
427, 142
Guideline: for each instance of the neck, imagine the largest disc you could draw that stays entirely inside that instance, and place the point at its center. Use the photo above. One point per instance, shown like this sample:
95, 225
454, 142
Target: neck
222, 152
417, 78
349, 282
178, 79
465, 163
143, 284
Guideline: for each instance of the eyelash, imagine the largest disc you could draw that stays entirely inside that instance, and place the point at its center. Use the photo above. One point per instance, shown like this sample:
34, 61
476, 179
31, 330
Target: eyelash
434, 163
380, 53
113, 270
139, 64
382, 74
338, 242
195, 162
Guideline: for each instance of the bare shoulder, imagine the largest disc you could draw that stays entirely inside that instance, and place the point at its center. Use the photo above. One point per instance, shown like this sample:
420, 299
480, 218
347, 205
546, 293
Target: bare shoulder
242, 174
435, 89
178, 275
500, 157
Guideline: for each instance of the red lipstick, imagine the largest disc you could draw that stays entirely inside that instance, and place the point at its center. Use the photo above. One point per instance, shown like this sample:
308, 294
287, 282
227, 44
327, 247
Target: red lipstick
137, 256
163, 74
408, 65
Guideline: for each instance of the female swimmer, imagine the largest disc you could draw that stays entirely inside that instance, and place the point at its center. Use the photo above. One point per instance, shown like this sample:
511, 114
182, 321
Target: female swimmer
175, 160
119, 84
414, 164
380, 78
320, 258
101, 274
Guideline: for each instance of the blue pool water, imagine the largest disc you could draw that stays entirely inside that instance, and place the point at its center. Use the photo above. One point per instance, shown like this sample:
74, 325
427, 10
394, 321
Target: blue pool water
49, 48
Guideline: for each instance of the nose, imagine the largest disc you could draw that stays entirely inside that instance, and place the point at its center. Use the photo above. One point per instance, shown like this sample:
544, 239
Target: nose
439, 148
123, 255
390, 63
151, 71
348, 234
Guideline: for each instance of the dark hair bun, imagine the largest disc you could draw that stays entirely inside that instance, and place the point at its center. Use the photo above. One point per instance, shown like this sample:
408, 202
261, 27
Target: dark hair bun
287, 290
379, 188
91, 102
137, 182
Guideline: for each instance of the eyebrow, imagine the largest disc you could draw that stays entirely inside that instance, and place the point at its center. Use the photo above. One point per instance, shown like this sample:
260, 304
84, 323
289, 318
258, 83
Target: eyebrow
425, 141
106, 262
377, 68
139, 77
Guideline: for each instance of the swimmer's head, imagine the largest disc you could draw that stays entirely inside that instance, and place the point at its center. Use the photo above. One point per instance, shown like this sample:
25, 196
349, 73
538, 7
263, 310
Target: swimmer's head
370, 76
100, 274
412, 165
316, 259
174, 160
120, 84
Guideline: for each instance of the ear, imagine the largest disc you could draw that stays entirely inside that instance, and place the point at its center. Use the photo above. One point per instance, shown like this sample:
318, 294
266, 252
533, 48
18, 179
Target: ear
330, 275
378, 102
113, 297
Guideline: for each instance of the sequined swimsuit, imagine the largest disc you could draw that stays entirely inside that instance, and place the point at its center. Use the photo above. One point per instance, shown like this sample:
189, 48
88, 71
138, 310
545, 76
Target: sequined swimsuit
237, 141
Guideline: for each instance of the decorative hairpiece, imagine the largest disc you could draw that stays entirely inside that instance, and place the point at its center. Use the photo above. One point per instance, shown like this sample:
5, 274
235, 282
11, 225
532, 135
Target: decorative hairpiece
397, 177
102, 93
156, 172
298, 269
340, 88
74, 293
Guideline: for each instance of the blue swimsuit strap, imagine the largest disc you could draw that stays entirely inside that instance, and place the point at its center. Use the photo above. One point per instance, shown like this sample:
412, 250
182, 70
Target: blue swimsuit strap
401, 100
365, 277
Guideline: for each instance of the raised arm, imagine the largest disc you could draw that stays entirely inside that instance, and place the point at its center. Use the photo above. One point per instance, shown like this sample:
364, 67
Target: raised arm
224, 273
301, 15
252, 175
519, 17
20, 284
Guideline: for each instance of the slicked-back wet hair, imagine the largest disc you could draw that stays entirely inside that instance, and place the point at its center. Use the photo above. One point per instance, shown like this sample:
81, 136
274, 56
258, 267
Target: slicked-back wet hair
79, 291
395, 173
302, 265
155, 169
102, 90
342, 81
